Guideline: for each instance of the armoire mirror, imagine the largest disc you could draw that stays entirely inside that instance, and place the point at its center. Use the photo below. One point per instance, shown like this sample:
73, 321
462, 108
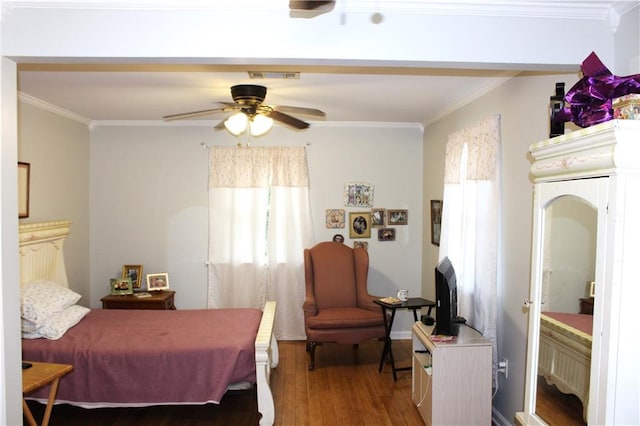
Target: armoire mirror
568, 269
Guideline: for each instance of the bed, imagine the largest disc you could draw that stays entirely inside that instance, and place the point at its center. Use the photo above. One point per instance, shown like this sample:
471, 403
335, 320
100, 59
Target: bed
132, 358
565, 353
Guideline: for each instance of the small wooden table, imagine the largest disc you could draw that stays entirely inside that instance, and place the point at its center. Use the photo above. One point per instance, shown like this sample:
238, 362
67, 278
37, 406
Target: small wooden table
414, 304
37, 376
159, 300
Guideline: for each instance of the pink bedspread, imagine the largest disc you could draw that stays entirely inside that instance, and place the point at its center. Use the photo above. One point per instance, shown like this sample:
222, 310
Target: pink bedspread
580, 322
145, 357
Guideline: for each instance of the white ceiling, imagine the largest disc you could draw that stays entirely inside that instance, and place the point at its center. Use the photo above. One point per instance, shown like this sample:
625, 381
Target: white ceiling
355, 96
99, 92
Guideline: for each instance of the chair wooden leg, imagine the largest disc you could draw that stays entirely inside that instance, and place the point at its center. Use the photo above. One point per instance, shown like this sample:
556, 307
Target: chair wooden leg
311, 348
356, 346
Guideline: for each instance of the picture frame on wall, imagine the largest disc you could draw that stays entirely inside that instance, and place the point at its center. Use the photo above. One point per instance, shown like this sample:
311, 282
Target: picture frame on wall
134, 272
159, 281
358, 194
436, 221
335, 218
361, 244
24, 177
398, 217
121, 286
386, 234
378, 217
359, 224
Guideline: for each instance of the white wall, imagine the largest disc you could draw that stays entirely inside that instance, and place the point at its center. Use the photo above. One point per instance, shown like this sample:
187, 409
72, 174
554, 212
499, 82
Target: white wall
58, 150
570, 240
627, 45
149, 202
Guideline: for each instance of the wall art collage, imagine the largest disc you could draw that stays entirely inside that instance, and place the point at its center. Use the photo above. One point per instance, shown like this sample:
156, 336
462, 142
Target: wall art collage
363, 220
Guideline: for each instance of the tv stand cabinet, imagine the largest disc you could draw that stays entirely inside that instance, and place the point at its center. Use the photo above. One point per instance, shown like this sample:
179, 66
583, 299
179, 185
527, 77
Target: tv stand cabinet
452, 380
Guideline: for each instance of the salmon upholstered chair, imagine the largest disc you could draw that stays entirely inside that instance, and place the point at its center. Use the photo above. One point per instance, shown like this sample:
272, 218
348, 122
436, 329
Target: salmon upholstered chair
338, 307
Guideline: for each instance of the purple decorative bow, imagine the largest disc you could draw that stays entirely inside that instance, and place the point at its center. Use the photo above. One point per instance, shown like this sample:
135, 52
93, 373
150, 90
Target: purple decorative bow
590, 99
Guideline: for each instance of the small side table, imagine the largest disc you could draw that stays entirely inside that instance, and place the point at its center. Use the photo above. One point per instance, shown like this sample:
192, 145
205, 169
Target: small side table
159, 300
412, 303
38, 375
586, 305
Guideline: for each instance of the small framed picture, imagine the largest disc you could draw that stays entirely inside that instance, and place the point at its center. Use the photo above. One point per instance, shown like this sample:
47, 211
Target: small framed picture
121, 286
436, 221
359, 224
386, 234
24, 172
158, 281
358, 194
135, 273
398, 217
378, 218
335, 218
361, 244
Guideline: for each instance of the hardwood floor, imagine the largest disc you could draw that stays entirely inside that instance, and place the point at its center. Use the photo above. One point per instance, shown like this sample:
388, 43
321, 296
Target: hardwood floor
557, 408
344, 389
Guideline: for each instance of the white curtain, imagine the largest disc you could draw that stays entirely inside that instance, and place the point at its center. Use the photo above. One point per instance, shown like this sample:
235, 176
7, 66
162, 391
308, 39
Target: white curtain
471, 221
259, 225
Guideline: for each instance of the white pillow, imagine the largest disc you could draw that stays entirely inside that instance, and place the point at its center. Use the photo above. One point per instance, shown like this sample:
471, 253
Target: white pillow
42, 299
27, 326
58, 324
31, 335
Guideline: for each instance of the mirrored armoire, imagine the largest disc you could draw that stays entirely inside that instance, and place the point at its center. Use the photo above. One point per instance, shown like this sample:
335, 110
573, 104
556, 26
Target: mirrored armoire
584, 300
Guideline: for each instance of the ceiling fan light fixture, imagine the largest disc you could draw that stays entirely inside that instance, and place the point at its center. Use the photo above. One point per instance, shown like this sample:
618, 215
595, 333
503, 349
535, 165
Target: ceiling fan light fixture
260, 124
237, 123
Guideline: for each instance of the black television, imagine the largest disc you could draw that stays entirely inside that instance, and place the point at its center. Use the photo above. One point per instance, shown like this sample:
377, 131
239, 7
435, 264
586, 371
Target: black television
447, 320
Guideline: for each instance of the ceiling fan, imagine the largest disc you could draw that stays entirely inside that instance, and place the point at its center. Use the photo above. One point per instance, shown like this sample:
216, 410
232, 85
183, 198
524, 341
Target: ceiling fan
249, 112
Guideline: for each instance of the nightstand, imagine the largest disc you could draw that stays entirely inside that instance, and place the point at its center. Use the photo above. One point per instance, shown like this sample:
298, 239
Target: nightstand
586, 305
159, 300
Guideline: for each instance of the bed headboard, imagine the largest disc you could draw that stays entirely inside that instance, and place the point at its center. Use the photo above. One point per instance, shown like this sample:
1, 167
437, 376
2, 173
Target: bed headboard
41, 252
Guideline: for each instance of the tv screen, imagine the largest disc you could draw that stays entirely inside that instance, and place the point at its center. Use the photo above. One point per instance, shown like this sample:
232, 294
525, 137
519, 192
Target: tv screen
446, 299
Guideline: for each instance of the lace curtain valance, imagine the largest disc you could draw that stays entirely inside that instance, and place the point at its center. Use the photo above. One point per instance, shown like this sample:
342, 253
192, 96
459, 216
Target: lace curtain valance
257, 167
481, 142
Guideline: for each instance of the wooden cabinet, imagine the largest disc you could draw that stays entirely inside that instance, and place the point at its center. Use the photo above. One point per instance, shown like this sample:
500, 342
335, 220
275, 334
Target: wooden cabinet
586, 305
452, 380
159, 300
600, 166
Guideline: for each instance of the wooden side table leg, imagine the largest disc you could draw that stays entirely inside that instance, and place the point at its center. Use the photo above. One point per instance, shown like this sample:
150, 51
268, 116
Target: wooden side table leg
52, 398
27, 413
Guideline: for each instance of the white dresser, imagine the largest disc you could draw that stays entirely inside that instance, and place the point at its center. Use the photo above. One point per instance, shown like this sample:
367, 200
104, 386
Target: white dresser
452, 380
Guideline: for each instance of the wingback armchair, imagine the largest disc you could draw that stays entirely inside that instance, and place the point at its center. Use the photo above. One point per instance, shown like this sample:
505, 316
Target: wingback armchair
338, 307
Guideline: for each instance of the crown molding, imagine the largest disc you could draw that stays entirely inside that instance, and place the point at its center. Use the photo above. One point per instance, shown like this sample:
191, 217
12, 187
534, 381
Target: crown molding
28, 99
212, 123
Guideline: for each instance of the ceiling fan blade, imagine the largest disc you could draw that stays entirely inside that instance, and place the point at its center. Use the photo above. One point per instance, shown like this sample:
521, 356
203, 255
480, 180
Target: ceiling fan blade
229, 106
288, 120
299, 110
192, 114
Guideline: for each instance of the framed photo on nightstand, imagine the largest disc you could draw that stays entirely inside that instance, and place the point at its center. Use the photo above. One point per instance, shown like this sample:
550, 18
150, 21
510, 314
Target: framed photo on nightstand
121, 286
135, 273
158, 281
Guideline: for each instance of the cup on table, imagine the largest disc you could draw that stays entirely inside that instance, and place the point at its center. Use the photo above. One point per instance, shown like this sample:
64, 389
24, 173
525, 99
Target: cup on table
403, 295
